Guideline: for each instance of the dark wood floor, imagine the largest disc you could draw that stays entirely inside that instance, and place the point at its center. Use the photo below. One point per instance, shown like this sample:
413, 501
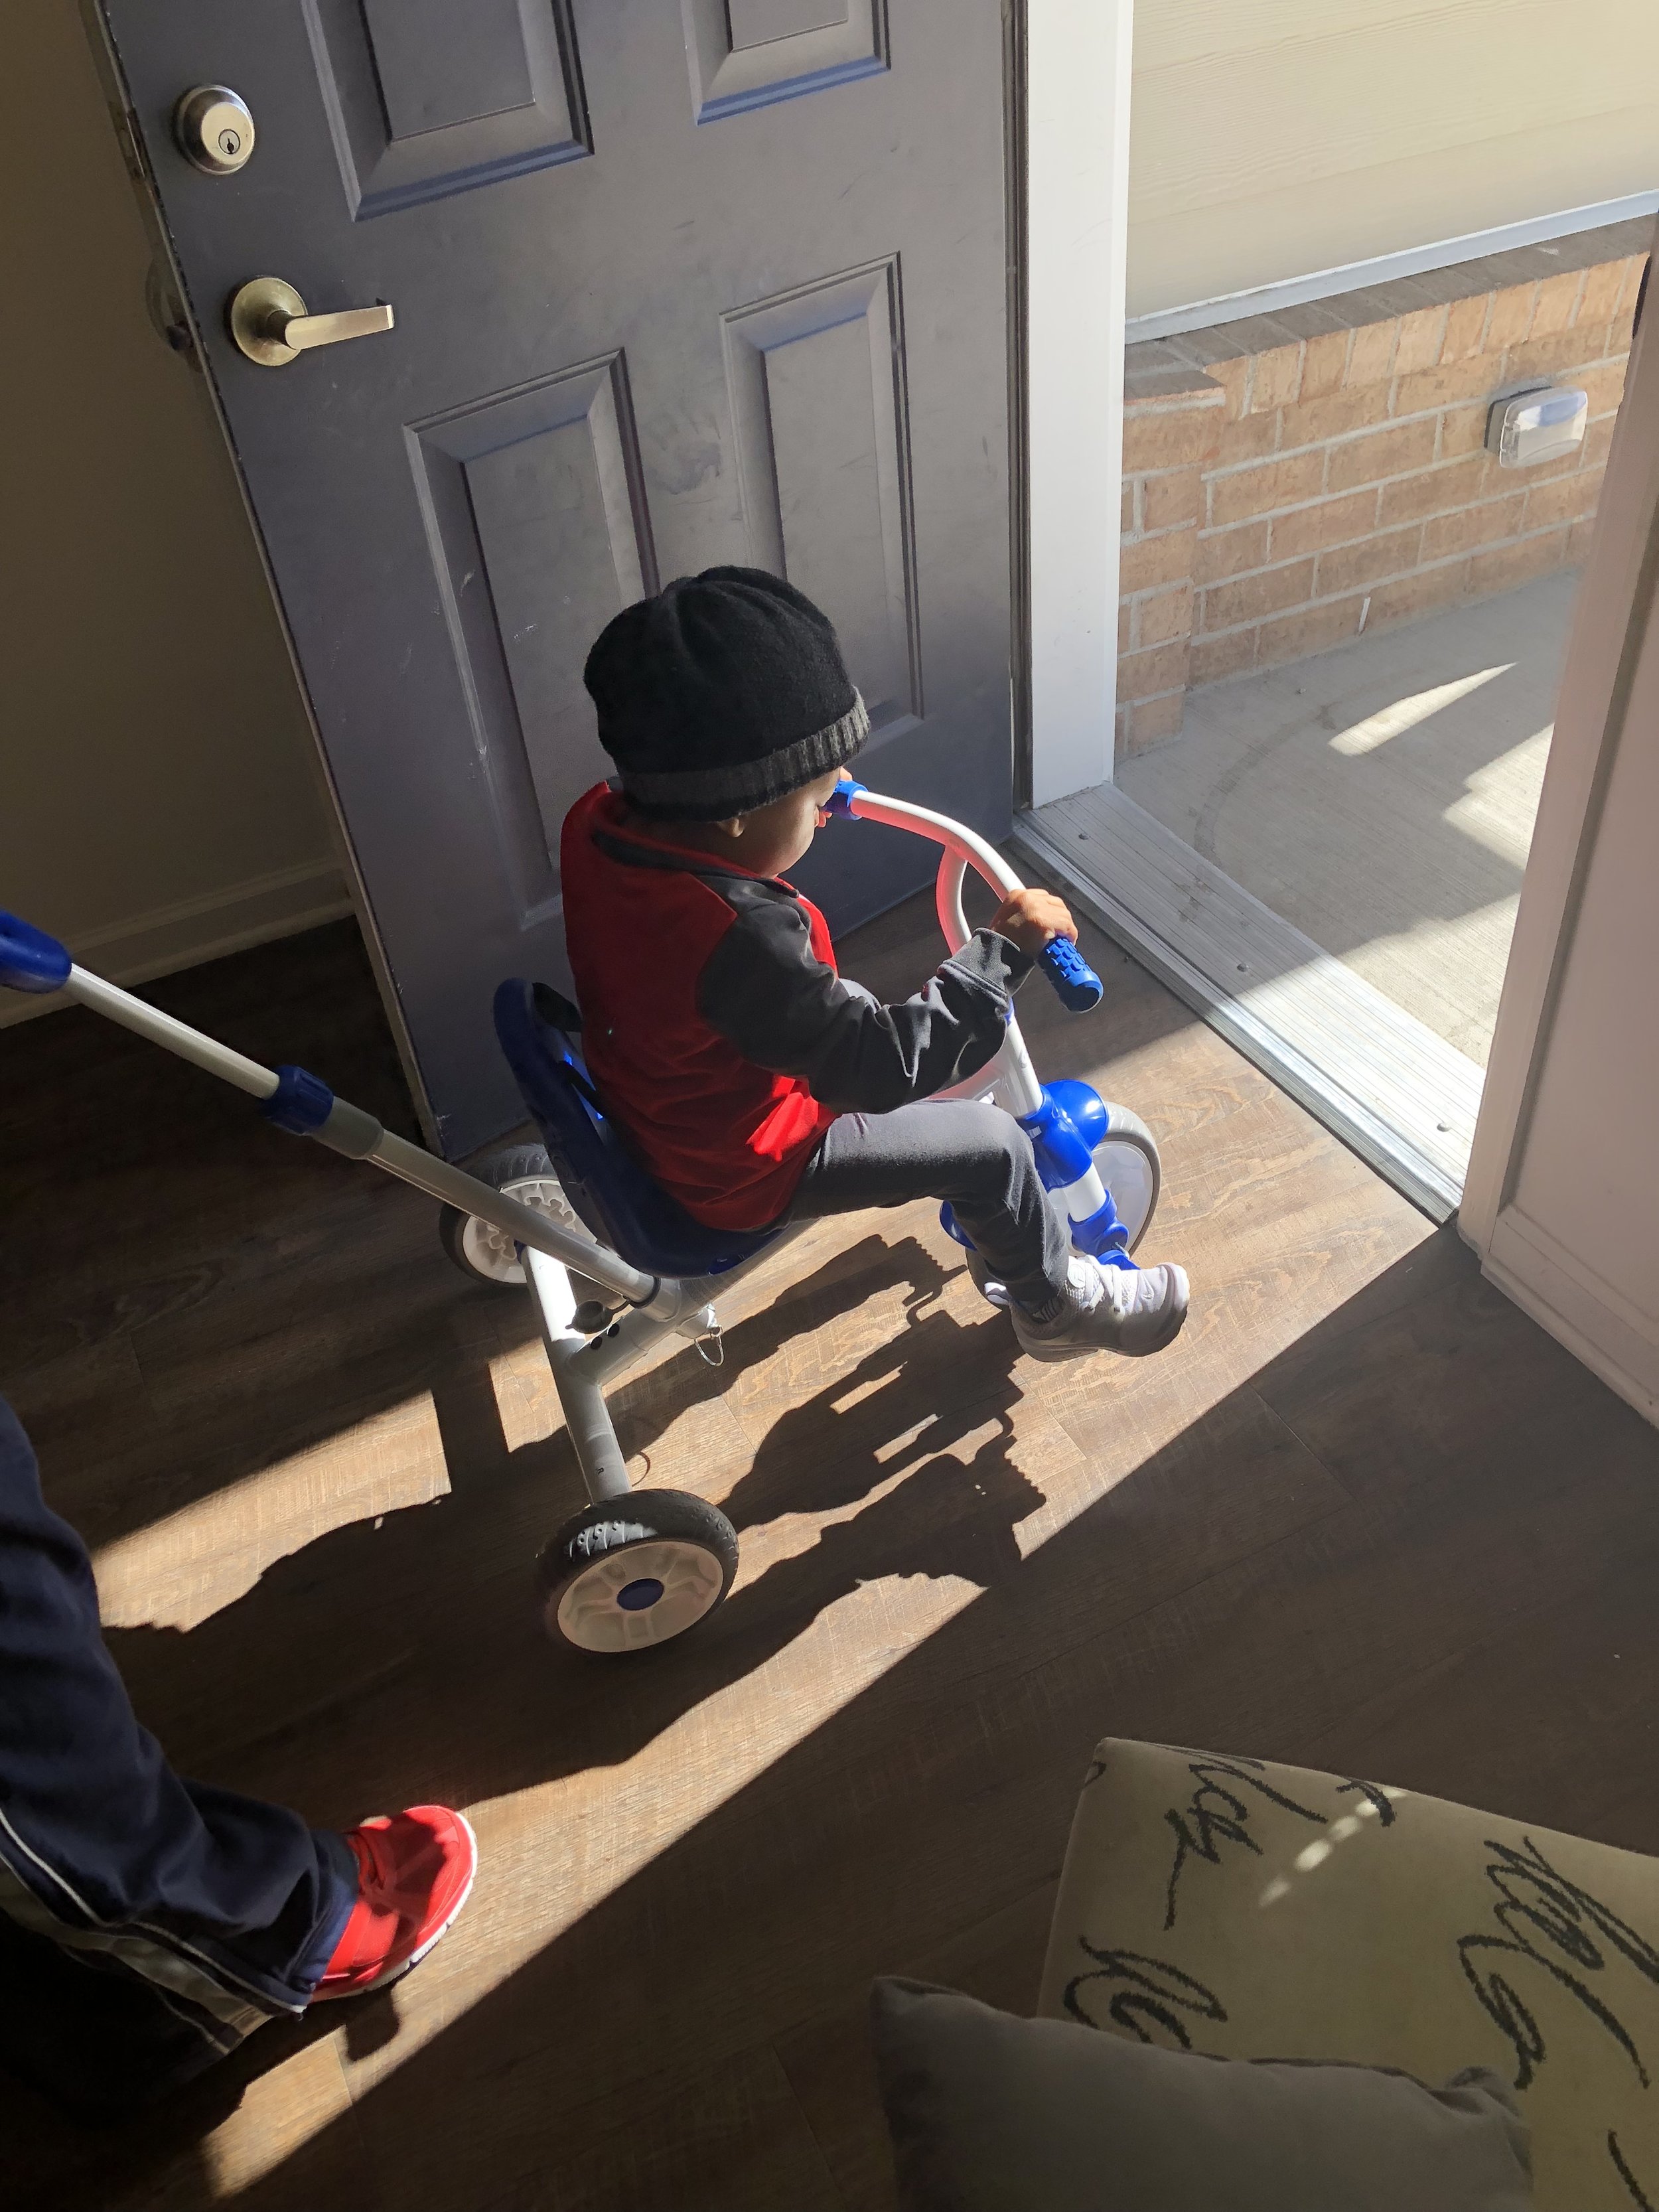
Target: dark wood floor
1363, 1515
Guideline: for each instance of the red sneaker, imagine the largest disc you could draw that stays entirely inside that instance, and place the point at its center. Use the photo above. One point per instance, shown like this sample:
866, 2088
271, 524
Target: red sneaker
415, 1870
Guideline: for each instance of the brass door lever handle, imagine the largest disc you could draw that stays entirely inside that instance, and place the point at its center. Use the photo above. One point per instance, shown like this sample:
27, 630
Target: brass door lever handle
270, 323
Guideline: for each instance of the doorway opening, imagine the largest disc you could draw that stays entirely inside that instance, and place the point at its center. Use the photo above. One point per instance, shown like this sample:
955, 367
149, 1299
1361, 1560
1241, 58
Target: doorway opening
1342, 622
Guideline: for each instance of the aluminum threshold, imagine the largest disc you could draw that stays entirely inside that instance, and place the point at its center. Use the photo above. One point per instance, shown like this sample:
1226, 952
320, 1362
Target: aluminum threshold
1400, 1096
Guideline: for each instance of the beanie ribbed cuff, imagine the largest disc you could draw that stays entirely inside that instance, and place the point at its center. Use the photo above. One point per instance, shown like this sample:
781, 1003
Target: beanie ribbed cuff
712, 795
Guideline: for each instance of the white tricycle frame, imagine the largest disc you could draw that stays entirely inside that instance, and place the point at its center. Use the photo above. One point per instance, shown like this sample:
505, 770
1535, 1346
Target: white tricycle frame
636, 1568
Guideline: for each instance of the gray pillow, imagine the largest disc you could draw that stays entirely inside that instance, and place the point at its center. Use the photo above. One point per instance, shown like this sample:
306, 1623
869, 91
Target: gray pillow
990, 2113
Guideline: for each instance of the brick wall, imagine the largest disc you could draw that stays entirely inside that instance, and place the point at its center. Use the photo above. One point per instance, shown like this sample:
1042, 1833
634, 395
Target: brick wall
1292, 479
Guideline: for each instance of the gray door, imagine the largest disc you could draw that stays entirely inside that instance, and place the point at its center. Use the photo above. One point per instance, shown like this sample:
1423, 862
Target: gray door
675, 282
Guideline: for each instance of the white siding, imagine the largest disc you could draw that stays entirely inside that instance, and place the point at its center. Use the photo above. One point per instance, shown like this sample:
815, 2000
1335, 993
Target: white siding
1271, 137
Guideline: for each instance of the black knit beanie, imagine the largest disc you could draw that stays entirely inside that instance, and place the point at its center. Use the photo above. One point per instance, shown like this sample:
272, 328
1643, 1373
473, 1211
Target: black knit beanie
724, 692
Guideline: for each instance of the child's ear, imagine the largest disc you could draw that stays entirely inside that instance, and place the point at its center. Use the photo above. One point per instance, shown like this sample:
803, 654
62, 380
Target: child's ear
732, 827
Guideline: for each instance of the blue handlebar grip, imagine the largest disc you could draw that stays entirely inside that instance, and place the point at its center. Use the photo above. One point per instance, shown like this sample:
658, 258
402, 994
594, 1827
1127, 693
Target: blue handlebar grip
1075, 984
839, 801
29, 959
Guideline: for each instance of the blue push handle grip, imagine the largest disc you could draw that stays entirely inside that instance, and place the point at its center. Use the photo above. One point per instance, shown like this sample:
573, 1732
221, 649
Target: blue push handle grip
29, 959
1075, 984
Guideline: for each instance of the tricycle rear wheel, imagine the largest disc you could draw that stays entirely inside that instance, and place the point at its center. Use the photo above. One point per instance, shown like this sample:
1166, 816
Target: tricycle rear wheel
487, 1255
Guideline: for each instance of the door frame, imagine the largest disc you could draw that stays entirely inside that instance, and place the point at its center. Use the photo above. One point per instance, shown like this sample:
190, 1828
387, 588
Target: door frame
1615, 615
1071, 243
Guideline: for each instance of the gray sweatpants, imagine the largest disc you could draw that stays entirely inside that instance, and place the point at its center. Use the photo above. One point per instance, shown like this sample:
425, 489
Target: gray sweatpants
973, 1154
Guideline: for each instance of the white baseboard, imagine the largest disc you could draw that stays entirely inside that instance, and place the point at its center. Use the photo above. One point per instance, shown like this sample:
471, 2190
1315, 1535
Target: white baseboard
1613, 1337
169, 937
1383, 268
1594, 1354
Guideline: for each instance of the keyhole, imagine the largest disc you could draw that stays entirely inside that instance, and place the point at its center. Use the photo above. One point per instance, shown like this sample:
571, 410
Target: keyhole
229, 144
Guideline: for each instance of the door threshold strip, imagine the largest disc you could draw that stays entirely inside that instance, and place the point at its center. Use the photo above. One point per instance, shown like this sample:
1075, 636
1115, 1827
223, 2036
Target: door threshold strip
1377, 1077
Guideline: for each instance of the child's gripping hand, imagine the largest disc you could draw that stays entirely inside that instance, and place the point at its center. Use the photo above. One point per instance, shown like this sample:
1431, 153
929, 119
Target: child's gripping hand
1029, 918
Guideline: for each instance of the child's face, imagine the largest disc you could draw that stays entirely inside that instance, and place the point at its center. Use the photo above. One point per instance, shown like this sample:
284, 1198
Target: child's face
772, 838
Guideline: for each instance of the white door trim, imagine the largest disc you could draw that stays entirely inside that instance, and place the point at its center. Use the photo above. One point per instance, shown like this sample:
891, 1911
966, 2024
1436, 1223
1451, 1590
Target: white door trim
1609, 623
1077, 185
1609, 651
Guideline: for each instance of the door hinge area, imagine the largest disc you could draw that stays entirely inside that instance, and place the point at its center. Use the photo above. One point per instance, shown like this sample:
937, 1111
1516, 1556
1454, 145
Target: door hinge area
132, 148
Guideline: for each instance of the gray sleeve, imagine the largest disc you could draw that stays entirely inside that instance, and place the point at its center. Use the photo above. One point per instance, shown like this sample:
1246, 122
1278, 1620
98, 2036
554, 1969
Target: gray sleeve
768, 993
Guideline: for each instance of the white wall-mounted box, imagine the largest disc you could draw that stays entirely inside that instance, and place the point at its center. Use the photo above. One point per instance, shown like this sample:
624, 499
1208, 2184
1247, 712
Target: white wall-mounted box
1543, 424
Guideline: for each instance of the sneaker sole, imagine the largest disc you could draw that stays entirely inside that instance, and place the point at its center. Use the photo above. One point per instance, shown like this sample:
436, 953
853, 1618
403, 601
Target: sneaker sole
994, 1293
408, 1965
1175, 1321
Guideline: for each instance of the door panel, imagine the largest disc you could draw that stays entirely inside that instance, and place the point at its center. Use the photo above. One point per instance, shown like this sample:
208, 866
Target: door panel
779, 336
544, 479
746, 53
427, 97
817, 402
759, 23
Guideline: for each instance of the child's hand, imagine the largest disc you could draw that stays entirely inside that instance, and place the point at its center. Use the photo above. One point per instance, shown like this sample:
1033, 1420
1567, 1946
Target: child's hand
1029, 918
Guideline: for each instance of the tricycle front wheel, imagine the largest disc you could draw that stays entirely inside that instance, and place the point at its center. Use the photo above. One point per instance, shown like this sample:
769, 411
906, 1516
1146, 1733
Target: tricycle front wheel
1127, 1159
626, 1573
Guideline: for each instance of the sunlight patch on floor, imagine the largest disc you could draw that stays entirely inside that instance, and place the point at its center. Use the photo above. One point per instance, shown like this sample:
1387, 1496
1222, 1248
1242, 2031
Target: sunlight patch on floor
181, 1569
279, 2113
881, 1528
546, 1862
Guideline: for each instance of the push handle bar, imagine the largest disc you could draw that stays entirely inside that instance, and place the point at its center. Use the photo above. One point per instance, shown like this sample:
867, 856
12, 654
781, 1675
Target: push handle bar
300, 1102
1075, 982
29, 959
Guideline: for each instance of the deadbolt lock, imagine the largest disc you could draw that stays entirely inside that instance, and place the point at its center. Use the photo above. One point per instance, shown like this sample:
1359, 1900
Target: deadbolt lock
213, 129
270, 322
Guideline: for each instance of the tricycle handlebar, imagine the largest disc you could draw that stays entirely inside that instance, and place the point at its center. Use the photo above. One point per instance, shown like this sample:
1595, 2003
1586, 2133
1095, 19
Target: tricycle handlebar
1075, 984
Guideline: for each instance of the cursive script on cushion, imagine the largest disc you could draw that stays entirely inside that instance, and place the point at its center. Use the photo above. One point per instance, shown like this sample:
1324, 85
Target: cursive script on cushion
1216, 1814
1550, 1922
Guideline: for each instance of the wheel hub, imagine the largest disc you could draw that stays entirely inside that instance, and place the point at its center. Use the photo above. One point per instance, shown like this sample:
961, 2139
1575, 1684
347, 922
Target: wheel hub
492, 1251
644, 1594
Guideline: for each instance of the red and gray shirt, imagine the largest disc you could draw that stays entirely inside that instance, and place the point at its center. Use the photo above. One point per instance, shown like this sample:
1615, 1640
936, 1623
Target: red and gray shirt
716, 1029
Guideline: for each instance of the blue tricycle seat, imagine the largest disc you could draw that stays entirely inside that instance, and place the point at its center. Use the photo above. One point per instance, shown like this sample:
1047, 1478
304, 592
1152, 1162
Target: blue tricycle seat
609, 1190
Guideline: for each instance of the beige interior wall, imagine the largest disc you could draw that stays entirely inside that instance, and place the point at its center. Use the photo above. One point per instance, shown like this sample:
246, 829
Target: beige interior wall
1270, 138
158, 801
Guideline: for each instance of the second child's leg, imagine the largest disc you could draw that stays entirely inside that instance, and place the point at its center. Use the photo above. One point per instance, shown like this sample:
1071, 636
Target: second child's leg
148, 1924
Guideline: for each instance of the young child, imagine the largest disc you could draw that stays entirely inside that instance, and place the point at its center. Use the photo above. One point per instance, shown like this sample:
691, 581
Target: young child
755, 1083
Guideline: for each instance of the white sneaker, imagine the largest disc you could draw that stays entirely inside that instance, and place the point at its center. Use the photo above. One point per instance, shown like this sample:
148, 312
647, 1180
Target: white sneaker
1131, 1311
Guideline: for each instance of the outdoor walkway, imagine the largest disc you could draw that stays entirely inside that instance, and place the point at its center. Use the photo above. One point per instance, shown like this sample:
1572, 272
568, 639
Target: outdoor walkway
1380, 797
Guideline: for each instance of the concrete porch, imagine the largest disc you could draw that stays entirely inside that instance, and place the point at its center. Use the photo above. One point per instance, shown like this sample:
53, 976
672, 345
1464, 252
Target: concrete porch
1380, 797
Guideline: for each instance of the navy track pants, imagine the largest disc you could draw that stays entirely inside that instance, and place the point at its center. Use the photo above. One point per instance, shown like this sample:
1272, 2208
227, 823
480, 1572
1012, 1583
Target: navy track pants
147, 1923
